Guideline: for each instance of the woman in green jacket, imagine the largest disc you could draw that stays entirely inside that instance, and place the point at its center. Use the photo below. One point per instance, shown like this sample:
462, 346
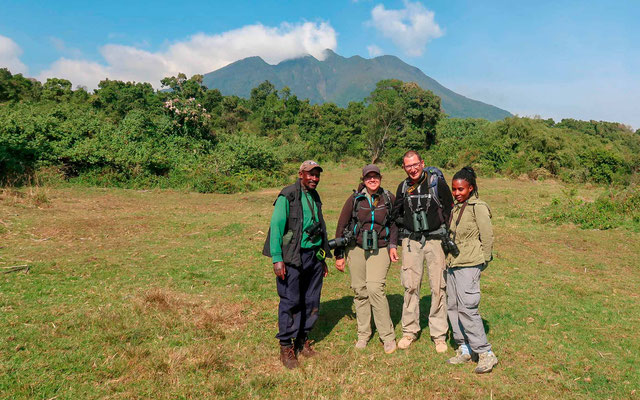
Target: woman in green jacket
472, 232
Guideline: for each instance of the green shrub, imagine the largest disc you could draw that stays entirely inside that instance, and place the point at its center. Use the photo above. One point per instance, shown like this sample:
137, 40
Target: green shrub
244, 152
613, 209
129, 135
602, 164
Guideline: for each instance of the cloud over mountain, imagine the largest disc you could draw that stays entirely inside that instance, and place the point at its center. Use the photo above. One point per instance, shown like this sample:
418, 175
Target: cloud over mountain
199, 53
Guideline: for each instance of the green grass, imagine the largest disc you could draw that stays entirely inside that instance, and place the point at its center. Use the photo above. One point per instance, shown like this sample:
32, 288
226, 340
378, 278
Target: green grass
165, 294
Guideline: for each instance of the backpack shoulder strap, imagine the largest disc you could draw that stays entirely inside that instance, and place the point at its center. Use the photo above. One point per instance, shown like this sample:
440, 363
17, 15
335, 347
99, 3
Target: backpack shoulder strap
354, 211
387, 199
433, 178
387, 202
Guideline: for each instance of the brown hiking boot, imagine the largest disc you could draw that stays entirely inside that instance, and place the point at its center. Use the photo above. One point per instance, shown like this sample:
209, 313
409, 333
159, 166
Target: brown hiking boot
405, 342
459, 358
305, 349
288, 357
486, 362
441, 345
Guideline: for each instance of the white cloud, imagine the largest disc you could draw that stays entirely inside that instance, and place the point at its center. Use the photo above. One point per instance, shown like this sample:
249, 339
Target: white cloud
410, 28
199, 54
374, 51
61, 46
10, 54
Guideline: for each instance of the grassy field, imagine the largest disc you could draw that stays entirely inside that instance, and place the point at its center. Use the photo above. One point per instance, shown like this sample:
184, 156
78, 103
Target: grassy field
164, 294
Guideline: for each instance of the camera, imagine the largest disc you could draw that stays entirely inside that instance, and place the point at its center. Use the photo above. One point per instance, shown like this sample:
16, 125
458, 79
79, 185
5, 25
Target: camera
341, 242
314, 230
450, 247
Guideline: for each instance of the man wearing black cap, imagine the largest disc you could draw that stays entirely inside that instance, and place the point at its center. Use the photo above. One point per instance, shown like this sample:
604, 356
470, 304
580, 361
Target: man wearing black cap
297, 245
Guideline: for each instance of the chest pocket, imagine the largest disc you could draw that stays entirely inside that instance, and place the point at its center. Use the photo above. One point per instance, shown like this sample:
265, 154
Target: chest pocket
295, 219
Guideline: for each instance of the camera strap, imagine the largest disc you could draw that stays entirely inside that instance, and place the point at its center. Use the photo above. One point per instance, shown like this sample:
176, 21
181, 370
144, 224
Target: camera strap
464, 205
311, 207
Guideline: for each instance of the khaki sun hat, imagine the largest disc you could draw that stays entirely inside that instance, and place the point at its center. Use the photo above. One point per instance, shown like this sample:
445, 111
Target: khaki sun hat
309, 165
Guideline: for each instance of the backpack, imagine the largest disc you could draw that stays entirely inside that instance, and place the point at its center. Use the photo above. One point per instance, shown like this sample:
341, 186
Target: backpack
434, 175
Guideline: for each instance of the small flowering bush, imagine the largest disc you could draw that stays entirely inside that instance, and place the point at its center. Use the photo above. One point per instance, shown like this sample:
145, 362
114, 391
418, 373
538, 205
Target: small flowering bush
189, 117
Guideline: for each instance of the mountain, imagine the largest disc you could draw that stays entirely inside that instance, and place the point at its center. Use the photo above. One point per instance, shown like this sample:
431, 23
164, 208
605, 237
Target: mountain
340, 80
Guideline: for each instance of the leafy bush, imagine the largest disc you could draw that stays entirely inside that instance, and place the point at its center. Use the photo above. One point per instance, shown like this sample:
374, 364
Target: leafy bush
128, 134
244, 152
535, 147
612, 209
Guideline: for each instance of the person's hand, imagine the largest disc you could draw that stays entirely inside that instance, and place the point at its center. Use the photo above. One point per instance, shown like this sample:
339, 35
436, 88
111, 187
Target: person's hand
340, 263
393, 254
279, 269
326, 269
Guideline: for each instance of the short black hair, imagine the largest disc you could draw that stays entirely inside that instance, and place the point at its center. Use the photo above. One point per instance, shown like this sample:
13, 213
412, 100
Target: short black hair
468, 174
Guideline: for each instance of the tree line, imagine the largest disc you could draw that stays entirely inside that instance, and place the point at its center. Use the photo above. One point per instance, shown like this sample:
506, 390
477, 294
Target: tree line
187, 136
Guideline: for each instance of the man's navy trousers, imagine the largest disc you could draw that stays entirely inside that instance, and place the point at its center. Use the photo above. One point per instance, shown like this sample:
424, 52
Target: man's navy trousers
299, 298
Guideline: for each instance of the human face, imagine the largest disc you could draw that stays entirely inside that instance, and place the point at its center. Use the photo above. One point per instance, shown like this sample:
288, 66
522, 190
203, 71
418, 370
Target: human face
461, 190
372, 182
310, 179
413, 167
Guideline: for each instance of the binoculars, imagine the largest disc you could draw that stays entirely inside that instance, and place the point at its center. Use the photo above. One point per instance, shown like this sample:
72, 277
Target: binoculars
370, 240
420, 223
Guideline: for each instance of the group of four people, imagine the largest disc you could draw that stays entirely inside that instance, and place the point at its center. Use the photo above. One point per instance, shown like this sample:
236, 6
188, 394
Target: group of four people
426, 218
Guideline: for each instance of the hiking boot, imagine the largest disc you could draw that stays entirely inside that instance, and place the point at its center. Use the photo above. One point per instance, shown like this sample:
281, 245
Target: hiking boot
486, 362
459, 358
288, 357
361, 344
441, 345
405, 342
305, 349
390, 346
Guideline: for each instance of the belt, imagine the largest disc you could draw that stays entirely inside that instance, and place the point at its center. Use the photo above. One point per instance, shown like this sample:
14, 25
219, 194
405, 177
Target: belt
427, 235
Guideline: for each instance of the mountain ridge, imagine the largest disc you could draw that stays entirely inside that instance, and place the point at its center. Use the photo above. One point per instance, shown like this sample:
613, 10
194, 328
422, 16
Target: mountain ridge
340, 80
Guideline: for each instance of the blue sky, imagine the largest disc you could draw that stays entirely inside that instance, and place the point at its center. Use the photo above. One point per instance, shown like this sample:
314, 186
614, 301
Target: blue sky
558, 59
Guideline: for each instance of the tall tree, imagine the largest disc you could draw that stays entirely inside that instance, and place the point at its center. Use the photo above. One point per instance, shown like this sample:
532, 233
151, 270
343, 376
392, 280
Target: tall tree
385, 114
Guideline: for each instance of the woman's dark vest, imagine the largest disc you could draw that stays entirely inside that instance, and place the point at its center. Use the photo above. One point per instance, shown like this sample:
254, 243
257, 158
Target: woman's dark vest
291, 249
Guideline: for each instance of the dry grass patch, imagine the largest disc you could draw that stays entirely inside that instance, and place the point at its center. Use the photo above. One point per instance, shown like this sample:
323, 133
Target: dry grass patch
213, 316
30, 196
